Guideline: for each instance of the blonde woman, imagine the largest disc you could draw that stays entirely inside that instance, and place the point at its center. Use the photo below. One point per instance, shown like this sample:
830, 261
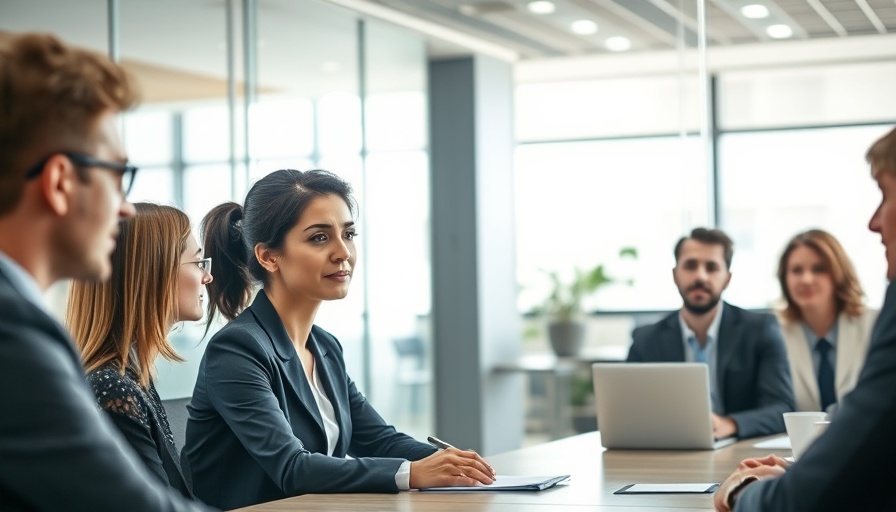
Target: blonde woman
825, 325
121, 326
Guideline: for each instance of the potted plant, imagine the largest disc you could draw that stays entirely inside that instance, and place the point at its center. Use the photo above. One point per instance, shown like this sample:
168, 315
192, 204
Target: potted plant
566, 331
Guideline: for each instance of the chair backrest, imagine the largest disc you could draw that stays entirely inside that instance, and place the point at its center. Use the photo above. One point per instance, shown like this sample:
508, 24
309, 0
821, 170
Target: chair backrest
176, 410
411, 348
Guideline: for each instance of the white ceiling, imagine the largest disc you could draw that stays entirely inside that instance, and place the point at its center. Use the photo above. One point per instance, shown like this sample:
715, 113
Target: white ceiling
649, 24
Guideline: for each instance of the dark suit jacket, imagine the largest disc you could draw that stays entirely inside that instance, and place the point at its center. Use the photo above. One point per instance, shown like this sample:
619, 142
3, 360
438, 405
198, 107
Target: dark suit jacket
57, 450
752, 370
851, 466
255, 433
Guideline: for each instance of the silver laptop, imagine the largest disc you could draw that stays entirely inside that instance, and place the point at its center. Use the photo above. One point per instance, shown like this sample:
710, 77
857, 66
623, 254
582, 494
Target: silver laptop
654, 406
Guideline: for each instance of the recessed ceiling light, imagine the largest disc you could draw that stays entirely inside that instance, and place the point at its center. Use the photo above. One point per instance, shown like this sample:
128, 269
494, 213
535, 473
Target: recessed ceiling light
541, 7
618, 44
779, 31
584, 27
754, 11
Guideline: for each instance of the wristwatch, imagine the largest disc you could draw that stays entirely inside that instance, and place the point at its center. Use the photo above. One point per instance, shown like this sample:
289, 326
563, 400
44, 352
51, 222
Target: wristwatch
732, 495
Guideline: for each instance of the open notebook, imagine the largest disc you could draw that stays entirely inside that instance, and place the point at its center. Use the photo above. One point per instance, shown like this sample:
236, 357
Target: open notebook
510, 483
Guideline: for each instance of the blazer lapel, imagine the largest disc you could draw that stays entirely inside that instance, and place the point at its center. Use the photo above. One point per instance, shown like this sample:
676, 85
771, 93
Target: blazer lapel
270, 322
801, 364
727, 341
849, 332
671, 345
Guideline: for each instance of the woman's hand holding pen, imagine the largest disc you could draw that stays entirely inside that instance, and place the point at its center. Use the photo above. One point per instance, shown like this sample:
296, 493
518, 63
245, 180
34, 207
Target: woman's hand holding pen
450, 467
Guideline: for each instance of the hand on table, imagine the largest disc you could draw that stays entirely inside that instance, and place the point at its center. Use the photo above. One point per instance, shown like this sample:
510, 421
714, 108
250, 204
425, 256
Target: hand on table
758, 468
723, 426
451, 468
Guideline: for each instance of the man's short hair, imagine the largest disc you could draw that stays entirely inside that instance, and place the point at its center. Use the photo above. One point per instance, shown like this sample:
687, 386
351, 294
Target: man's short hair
711, 237
882, 154
50, 94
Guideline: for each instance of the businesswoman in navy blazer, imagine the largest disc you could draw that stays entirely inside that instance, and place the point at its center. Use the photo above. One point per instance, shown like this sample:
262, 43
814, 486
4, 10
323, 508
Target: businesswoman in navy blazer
274, 413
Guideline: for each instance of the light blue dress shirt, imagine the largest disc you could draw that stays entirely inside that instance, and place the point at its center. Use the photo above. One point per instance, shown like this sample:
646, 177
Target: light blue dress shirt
694, 353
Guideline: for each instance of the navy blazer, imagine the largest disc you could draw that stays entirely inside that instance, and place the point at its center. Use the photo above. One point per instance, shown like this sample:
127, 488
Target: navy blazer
752, 371
255, 433
57, 450
850, 467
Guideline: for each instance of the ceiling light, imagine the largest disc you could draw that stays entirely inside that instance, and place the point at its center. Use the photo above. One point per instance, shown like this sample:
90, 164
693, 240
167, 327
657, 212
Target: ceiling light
754, 11
779, 31
541, 7
618, 44
583, 27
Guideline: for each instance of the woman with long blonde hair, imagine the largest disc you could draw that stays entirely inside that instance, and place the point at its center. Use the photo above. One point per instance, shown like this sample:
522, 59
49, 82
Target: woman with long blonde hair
121, 326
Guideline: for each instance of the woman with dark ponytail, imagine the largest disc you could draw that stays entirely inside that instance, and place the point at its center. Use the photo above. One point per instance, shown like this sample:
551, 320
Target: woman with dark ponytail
274, 413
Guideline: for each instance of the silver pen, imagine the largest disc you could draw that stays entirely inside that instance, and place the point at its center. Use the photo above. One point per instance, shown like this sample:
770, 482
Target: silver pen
438, 443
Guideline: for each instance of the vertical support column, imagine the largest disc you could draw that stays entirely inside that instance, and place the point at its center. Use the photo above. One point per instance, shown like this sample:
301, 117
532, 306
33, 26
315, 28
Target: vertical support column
475, 319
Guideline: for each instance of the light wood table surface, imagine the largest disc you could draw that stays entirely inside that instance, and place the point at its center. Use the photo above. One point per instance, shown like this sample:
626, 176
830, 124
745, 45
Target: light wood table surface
596, 474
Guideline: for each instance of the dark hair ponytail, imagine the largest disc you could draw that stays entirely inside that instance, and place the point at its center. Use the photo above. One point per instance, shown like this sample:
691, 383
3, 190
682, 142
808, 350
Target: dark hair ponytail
222, 238
230, 233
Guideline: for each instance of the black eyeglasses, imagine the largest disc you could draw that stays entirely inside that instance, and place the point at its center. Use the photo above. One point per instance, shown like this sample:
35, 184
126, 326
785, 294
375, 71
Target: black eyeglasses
127, 171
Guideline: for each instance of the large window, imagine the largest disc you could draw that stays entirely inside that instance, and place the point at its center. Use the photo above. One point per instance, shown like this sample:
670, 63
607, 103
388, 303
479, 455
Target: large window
786, 155
779, 183
315, 104
579, 203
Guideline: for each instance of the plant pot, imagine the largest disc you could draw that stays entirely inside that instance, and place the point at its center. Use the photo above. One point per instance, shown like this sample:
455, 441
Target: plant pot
584, 419
566, 337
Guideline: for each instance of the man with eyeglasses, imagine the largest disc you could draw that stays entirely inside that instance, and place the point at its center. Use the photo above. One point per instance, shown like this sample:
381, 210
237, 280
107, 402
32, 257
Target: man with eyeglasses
63, 181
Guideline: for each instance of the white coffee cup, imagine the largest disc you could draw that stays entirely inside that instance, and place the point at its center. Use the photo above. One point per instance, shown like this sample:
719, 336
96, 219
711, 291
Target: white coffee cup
801, 429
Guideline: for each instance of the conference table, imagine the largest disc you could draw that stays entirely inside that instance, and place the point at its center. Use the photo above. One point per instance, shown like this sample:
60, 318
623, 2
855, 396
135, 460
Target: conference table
595, 474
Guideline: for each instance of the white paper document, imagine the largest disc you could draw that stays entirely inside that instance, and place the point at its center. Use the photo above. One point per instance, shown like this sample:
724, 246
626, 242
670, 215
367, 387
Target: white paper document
775, 443
510, 483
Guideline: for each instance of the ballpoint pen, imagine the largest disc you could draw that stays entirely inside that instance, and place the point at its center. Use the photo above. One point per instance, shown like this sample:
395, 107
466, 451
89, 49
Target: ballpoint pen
438, 443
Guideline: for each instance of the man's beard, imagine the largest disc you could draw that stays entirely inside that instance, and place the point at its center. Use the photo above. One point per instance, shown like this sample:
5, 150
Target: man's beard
701, 309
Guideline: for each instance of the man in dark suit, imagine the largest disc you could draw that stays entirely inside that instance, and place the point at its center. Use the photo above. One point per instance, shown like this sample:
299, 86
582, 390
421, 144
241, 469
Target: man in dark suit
749, 375
850, 467
63, 180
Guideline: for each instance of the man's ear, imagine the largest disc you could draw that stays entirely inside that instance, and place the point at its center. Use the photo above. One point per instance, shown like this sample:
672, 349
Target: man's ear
56, 182
727, 281
266, 256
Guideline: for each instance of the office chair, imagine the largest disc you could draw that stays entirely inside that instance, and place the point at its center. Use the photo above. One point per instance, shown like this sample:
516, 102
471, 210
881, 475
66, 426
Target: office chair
411, 371
176, 410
